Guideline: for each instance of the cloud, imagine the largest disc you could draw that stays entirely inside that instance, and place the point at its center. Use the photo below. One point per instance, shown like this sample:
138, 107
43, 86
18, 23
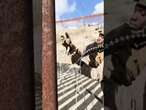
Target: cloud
73, 7
62, 7
99, 8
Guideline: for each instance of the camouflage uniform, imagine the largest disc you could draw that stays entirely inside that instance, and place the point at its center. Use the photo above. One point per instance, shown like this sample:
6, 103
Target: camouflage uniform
118, 59
121, 76
120, 53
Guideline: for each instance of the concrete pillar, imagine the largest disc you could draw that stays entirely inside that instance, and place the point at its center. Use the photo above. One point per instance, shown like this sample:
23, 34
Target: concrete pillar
48, 55
16, 55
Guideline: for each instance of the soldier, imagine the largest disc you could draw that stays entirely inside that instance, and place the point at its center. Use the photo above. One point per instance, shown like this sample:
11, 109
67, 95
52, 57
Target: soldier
91, 68
120, 79
98, 43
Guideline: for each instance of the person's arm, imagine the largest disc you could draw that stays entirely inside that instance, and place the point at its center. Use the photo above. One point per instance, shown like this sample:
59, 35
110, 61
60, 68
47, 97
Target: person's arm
119, 53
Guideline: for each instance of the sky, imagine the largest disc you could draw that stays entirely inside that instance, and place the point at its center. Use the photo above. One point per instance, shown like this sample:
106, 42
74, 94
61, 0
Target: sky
67, 9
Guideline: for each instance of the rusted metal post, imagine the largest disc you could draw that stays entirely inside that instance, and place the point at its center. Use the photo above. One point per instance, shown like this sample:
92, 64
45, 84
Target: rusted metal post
16, 55
48, 55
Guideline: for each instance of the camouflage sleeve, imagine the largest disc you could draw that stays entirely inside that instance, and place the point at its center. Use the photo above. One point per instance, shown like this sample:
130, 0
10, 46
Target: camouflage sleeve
120, 72
119, 56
